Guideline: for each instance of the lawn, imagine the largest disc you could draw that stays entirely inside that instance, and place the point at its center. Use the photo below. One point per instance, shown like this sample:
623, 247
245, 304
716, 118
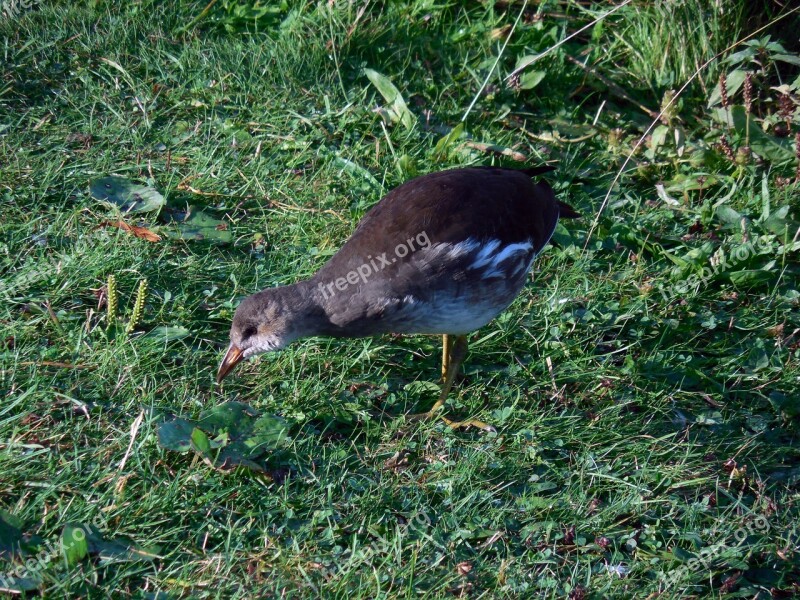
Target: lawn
644, 385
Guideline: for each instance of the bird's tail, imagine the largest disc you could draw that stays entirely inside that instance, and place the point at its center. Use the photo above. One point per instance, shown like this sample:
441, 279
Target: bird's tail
566, 211
540, 170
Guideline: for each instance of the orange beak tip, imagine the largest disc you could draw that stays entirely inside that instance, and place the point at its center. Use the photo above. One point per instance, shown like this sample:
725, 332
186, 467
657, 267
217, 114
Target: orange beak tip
233, 357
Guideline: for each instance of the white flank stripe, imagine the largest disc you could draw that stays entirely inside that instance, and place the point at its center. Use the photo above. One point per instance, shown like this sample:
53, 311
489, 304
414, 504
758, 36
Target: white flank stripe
511, 249
485, 255
490, 256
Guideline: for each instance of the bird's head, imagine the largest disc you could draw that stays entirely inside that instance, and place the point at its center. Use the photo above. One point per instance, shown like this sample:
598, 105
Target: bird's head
260, 324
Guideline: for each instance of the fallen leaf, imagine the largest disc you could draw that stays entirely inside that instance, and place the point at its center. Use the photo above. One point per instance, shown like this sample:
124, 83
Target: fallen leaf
496, 149
196, 225
139, 232
239, 434
127, 196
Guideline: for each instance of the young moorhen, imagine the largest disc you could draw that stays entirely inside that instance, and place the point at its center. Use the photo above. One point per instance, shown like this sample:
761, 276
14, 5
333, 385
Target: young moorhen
444, 253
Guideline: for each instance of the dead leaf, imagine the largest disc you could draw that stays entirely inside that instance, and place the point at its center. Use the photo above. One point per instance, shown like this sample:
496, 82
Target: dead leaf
728, 584
776, 331
578, 593
397, 462
569, 535
139, 232
496, 149
602, 541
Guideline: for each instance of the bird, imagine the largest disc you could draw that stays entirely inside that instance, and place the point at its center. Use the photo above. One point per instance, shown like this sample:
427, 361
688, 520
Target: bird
443, 253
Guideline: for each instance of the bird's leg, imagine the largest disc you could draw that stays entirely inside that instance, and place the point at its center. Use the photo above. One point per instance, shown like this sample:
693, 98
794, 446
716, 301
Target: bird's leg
453, 355
446, 344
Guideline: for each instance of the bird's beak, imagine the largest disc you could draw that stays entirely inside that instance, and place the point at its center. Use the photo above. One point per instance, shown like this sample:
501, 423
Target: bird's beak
232, 358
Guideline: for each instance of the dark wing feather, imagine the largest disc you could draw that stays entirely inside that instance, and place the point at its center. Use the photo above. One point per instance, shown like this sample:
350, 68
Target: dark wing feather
448, 207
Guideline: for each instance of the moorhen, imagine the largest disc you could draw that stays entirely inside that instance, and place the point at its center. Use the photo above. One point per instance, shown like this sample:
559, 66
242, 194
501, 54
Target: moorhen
443, 253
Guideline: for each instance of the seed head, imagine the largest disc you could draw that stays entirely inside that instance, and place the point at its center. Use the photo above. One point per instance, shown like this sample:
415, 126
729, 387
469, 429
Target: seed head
726, 148
748, 92
723, 90
786, 110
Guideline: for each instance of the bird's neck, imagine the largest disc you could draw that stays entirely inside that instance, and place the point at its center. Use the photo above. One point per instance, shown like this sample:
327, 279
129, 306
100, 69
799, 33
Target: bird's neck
301, 307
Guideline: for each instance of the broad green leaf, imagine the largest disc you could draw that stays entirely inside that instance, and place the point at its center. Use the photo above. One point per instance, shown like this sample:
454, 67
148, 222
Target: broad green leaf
10, 534
530, 79
242, 436
789, 405
357, 170
406, 166
421, 387
446, 141
236, 455
687, 183
564, 237
10, 520
176, 435
698, 257
198, 225
657, 139
743, 56
748, 277
269, 432
778, 222
233, 417
127, 196
710, 418
728, 216
393, 97
74, 543
87, 540
167, 333
523, 61
787, 58
200, 441
758, 357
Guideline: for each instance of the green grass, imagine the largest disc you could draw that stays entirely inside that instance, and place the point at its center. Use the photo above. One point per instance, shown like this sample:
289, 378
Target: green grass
646, 409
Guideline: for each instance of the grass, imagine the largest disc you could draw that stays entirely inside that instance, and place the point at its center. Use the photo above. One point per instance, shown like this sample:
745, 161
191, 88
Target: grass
644, 385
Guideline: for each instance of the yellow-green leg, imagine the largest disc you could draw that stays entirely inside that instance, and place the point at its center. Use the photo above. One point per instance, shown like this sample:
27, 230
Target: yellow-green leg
453, 353
446, 344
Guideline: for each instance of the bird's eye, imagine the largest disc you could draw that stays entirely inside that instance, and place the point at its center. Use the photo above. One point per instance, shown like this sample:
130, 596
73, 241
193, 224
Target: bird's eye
248, 332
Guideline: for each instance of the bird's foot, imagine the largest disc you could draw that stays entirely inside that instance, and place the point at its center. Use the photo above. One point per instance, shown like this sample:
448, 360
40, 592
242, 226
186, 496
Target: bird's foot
454, 350
432, 414
468, 423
